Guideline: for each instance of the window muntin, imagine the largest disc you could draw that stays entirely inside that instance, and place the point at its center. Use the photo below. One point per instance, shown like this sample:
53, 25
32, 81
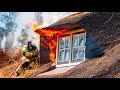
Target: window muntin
61, 55
78, 49
71, 48
67, 42
64, 49
75, 40
81, 40
67, 55
62, 43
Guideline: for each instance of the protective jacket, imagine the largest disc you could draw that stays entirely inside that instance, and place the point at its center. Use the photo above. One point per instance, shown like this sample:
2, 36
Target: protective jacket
29, 58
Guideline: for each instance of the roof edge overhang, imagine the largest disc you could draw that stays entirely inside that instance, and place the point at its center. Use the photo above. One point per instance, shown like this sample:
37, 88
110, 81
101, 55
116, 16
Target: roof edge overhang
68, 23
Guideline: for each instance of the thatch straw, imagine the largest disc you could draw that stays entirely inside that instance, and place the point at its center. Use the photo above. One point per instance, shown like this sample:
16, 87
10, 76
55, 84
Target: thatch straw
104, 27
107, 66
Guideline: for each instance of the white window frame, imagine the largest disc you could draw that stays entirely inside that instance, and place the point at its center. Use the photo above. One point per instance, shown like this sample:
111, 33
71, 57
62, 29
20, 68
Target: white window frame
64, 50
71, 36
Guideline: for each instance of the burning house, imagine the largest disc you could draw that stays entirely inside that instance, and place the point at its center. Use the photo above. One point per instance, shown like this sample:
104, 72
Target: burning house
79, 37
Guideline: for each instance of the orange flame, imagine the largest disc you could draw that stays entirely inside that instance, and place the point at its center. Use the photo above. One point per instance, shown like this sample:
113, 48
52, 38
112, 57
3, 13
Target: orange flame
34, 27
48, 40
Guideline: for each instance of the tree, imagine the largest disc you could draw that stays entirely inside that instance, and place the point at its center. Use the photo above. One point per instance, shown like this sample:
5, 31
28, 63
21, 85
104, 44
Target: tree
8, 27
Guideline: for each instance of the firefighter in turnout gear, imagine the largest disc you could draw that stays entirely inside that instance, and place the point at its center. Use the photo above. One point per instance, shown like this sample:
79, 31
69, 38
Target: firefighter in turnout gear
30, 55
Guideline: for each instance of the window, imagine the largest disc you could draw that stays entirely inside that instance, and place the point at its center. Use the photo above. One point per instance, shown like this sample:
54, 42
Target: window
64, 49
78, 47
71, 48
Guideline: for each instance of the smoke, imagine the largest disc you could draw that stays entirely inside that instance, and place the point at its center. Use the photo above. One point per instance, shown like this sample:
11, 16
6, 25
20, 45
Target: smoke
24, 19
28, 18
51, 17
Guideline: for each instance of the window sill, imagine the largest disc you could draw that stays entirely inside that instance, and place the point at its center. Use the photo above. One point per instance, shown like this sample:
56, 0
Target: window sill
71, 64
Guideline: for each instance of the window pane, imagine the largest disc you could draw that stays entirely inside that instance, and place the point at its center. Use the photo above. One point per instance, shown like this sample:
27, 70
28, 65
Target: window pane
61, 55
67, 55
81, 53
67, 42
78, 47
75, 40
62, 42
81, 40
75, 53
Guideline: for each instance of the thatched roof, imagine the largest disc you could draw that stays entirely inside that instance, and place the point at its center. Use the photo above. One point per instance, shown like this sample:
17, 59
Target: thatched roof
107, 66
104, 27
69, 20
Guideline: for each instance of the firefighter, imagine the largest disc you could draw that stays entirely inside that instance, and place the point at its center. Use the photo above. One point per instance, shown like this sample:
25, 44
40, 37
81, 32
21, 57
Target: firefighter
30, 55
